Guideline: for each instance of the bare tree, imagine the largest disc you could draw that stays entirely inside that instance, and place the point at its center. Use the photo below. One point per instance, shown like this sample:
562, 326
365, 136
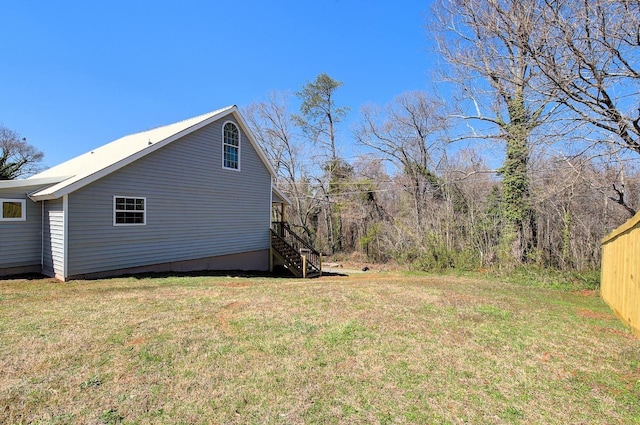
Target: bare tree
407, 133
364, 217
17, 157
485, 43
590, 56
476, 202
272, 124
574, 209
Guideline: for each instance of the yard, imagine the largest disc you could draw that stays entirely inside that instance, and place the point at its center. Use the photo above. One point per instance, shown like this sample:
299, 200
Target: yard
387, 348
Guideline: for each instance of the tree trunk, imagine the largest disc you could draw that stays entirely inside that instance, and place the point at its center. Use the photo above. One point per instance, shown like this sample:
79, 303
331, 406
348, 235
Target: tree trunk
518, 214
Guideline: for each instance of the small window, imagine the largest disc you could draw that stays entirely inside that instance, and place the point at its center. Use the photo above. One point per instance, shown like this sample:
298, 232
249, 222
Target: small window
231, 146
129, 211
13, 210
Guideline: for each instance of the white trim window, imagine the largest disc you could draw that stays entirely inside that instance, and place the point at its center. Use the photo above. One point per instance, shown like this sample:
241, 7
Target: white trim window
13, 210
230, 146
129, 211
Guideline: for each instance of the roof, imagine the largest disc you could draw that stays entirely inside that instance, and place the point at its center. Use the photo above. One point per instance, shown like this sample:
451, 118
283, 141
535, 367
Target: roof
279, 196
32, 181
100, 162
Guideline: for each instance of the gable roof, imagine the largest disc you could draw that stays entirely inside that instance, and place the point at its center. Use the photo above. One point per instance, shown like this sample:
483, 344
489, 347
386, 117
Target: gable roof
100, 162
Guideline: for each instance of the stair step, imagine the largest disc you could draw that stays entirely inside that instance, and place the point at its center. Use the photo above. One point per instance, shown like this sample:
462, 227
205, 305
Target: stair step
292, 258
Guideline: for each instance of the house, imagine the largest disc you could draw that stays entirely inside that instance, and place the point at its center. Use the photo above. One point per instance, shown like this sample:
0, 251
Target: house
193, 195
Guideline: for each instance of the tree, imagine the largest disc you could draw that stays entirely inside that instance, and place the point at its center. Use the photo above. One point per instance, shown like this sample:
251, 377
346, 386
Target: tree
476, 201
406, 134
17, 157
271, 122
485, 43
319, 112
573, 209
590, 56
318, 119
364, 216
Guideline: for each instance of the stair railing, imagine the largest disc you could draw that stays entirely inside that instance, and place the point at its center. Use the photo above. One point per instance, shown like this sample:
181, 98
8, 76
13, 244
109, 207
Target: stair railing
284, 231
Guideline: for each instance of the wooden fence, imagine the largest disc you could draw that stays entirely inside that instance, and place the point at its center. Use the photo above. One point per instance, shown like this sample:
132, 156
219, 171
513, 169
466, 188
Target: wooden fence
620, 285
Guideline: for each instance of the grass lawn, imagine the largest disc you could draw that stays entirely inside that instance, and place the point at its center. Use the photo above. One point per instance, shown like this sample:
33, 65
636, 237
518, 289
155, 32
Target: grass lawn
366, 349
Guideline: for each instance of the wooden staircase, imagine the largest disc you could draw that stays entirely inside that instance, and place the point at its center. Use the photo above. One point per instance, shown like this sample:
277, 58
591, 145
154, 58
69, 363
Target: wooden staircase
296, 255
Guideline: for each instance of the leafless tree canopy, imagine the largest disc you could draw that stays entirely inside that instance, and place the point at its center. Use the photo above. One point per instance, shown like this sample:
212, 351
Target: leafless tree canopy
17, 157
589, 54
551, 84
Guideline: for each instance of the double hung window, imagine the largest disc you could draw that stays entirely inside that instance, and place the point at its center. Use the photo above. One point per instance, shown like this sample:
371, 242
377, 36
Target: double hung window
129, 211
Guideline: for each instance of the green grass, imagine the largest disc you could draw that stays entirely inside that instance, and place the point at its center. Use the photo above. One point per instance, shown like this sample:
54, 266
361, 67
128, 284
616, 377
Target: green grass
366, 349
529, 275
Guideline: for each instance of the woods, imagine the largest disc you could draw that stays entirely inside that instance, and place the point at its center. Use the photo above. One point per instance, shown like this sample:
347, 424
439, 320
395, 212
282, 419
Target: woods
526, 154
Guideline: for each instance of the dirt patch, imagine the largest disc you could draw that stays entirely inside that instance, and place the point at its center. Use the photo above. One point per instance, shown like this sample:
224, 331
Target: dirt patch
587, 293
225, 315
357, 262
236, 284
618, 332
594, 315
233, 306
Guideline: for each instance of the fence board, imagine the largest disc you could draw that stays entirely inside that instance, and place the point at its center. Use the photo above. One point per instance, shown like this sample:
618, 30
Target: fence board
620, 285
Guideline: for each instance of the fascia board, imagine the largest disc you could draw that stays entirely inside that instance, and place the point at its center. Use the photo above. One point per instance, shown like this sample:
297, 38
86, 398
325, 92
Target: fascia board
281, 194
252, 139
9, 184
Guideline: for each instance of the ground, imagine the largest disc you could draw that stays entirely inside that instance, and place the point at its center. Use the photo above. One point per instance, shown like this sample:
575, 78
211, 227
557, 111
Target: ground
369, 348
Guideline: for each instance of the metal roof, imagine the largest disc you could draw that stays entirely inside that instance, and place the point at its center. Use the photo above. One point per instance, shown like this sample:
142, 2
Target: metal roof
89, 167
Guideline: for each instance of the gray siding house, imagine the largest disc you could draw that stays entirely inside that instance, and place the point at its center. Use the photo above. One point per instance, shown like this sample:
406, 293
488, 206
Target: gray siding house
193, 195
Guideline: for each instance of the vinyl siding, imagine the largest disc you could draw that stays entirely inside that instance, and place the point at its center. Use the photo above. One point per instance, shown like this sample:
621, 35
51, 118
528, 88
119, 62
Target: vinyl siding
195, 208
20, 240
53, 240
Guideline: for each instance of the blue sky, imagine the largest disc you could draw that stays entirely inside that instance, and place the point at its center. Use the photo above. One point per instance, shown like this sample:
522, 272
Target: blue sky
77, 75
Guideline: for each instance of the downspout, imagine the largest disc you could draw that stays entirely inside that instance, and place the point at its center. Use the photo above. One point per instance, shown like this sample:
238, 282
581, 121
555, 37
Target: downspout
270, 209
41, 235
270, 201
65, 232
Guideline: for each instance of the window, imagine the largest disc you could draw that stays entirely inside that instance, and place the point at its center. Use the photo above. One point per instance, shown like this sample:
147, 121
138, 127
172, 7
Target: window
231, 146
13, 210
129, 211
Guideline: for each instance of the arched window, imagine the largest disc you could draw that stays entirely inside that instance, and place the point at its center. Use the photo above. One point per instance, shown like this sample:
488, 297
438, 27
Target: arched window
231, 146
